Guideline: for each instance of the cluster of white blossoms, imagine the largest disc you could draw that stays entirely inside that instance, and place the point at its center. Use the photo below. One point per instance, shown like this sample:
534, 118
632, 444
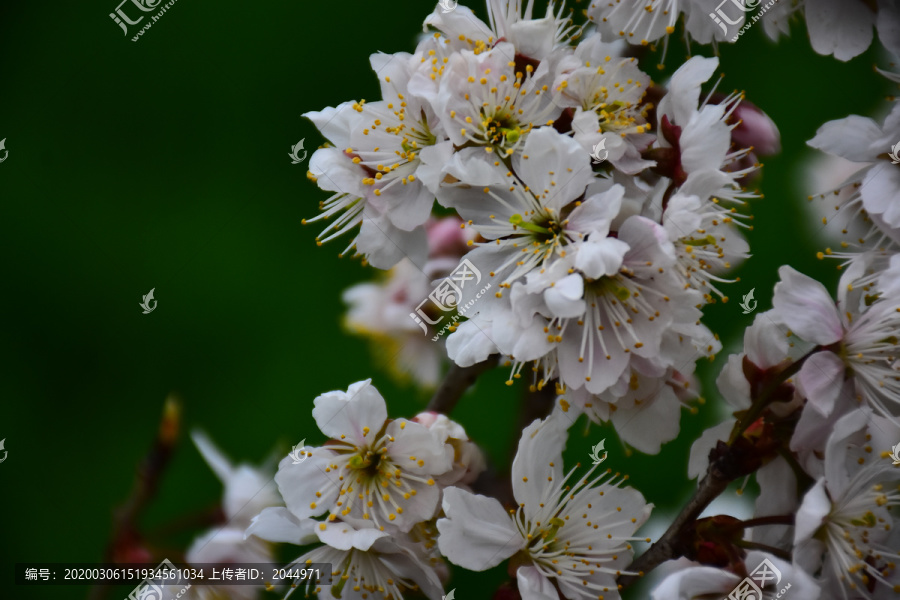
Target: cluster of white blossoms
603, 211
598, 269
384, 500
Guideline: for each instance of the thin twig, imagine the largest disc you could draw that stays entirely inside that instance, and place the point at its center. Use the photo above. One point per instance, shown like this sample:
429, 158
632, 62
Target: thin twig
770, 520
719, 474
782, 554
668, 545
125, 538
455, 384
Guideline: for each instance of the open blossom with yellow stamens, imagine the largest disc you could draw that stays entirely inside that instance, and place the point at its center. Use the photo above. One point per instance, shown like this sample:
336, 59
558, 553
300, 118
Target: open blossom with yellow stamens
376, 167
707, 243
373, 469
390, 138
576, 296
606, 95
353, 203
574, 533
508, 21
847, 526
641, 22
489, 101
366, 563
857, 338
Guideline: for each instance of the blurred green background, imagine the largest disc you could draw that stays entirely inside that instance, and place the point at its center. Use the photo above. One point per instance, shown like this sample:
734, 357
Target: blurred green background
164, 164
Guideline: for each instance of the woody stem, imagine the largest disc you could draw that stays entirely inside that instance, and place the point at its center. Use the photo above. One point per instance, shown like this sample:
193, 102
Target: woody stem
455, 383
719, 474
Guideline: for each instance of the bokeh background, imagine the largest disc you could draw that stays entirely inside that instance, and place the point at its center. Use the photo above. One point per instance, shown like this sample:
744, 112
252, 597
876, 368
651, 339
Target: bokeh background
164, 164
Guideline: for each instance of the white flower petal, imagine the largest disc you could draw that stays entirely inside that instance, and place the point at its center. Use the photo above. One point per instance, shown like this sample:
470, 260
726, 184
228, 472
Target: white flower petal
336, 124
214, 457
705, 139
359, 413
684, 89
601, 258
839, 27
849, 138
732, 383
806, 307
344, 536
538, 459
298, 483
695, 582
548, 151
278, 524
699, 459
470, 343
880, 190
534, 586
594, 215
478, 533
248, 492
812, 512
384, 244
822, 379
653, 422
565, 298
778, 496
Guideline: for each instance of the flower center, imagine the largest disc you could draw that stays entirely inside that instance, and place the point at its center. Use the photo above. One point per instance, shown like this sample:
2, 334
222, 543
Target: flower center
366, 461
501, 127
608, 286
417, 137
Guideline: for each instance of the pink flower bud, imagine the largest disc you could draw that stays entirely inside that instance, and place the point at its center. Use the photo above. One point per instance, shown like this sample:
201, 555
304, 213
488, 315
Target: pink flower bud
755, 129
426, 418
447, 237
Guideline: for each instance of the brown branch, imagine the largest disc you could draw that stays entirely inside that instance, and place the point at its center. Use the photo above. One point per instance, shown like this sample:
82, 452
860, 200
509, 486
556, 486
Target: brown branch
455, 384
725, 467
782, 554
125, 541
669, 545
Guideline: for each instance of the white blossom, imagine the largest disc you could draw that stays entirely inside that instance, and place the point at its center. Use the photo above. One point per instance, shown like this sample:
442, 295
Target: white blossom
509, 21
701, 582
858, 338
847, 525
574, 534
372, 470
248, 490
366, 562
647, 21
